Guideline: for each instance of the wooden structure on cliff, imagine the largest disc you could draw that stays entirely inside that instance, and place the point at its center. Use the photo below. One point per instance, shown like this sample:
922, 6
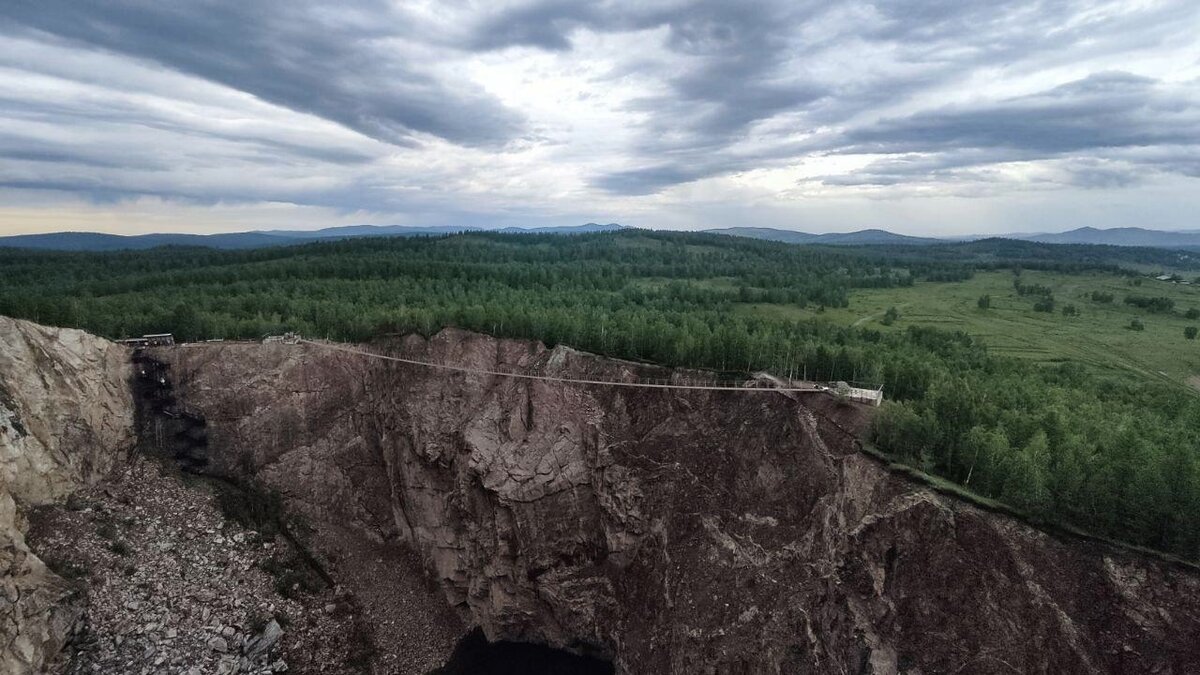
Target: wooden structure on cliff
149, 340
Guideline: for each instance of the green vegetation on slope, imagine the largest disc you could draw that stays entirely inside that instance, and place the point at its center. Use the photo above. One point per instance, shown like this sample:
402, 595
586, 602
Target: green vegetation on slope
1097, 335
1058, 432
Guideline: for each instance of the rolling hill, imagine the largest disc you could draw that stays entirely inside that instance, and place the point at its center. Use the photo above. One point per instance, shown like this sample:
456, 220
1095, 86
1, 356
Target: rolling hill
1120, 236
97, 241
861, 237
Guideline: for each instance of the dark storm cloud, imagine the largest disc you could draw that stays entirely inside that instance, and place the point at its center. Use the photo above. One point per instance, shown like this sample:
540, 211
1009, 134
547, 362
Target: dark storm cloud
93, 116
694, 89
110, 189
647, 180
336, 61
729, 71
1104, 115
1097, 175
737, 65
93, 189
1106, 110
733, 75
546, 25
19, 148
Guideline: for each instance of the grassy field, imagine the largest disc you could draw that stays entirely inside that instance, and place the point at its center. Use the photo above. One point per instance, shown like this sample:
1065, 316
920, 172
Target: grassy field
1099, 336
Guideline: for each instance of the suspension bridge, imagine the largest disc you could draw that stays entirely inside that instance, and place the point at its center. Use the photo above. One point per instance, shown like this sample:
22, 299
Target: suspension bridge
761, 384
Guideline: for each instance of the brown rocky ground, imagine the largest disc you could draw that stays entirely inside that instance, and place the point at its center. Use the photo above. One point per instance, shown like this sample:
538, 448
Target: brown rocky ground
66, 419
412, 629
155, 573
170, 585
673, 532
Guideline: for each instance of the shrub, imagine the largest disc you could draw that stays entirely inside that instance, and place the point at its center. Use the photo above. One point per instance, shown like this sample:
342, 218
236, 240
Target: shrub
1192, 314
1190, 332
984, 302
1136, 324
1031, 289
106, 530
1150, 304
293, 575
253, 508
67, 569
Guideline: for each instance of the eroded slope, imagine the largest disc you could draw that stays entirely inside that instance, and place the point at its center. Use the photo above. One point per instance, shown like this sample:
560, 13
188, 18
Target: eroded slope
717, 532
66, 419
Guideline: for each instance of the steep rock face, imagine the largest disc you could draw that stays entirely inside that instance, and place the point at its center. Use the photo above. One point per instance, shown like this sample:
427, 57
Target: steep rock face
66, 417
674, 532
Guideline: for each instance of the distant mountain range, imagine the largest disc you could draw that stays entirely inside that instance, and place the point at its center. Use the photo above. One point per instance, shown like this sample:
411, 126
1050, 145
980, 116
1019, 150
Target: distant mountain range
859, 238
1120, 236
94, 241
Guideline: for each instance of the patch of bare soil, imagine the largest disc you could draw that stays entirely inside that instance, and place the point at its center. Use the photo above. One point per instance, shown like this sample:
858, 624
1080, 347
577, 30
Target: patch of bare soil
171, 586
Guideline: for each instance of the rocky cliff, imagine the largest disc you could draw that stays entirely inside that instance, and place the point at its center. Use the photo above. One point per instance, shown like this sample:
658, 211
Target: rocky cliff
671, 532
66, 419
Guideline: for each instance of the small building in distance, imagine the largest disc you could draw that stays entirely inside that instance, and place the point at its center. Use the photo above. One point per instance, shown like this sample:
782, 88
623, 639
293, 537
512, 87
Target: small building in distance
151, 340
870, 396
288, 338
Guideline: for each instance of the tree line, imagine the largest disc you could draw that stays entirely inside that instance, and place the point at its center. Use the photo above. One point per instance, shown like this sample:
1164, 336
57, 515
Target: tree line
1112, 454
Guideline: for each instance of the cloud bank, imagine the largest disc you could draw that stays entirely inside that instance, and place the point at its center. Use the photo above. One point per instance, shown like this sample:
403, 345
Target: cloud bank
914, 115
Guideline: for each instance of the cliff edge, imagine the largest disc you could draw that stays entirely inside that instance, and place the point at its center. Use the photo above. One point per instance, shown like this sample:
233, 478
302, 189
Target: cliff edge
670, 531
66, 419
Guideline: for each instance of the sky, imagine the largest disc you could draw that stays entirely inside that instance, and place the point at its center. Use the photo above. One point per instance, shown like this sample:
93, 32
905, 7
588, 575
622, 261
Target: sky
934, 117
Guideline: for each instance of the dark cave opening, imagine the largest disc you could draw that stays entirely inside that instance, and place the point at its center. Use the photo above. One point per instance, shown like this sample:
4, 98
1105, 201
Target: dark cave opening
474, 655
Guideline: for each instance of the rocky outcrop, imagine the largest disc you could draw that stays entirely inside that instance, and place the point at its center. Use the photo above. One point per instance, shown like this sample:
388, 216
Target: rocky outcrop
172, 586
672, 532
668, 531
66, 419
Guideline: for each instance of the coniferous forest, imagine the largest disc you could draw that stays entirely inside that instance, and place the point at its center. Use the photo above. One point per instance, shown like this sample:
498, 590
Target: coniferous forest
1067, 442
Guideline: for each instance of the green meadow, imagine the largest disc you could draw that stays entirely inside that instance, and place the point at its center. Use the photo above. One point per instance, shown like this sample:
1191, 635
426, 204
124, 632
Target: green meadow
1099, 336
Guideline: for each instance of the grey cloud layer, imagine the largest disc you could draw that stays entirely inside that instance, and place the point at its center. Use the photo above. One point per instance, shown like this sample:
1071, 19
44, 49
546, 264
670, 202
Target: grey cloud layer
340, 61
722, 88
743, 64
1105, 110
1103, 117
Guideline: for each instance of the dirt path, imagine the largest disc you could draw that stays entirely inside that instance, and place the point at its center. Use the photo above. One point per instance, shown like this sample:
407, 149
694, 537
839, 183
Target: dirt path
876, 315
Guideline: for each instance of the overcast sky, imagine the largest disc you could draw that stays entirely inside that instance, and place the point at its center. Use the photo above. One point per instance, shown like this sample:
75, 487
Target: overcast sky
920, 116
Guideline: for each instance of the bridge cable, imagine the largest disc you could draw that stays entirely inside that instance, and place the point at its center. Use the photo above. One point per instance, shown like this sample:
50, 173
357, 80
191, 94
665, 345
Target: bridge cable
552, 378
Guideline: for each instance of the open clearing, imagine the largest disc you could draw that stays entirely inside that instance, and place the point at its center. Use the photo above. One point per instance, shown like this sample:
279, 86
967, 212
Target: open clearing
1099, 336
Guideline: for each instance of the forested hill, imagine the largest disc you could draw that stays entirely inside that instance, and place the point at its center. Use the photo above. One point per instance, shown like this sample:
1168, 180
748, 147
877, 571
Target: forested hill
413, 283
351, 289
98, 241
1000, 252
1064, 441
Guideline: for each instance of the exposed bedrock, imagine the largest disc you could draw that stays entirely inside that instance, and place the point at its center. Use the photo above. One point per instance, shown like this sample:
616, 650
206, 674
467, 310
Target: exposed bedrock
673, 532
66, 419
